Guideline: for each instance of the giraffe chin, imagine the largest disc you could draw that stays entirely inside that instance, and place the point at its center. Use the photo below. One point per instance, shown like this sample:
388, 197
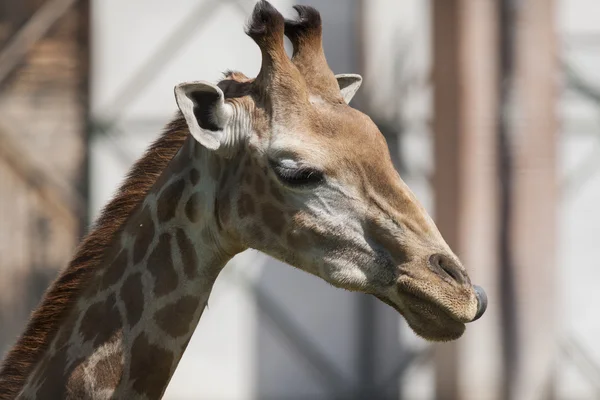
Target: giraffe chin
428, 320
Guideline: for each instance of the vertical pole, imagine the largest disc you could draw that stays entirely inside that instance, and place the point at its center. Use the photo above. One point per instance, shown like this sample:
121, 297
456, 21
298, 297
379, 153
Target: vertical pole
534, 197
506, 278
465, 51
366, 320
84, 42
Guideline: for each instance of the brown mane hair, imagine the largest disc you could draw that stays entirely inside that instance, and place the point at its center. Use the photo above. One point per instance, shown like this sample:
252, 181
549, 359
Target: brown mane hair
63, 293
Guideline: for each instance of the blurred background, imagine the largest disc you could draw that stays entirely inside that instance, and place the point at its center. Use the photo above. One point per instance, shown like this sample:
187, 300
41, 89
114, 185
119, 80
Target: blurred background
491, 109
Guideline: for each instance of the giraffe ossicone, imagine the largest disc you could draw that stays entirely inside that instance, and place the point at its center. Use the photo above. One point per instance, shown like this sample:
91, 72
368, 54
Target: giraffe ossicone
279, 163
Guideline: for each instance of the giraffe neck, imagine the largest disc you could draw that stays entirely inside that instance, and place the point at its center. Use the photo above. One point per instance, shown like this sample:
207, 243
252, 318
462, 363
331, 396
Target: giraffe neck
128, 331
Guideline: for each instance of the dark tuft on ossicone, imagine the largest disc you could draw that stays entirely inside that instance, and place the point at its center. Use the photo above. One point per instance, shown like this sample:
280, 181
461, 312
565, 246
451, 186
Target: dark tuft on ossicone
307, 23
265, 23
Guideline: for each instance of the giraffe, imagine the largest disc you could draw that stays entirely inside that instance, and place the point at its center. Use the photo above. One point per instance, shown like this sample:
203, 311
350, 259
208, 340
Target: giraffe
279, 163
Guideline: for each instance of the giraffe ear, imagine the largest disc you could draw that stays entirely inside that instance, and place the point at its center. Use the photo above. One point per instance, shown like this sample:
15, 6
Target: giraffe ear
349, 84
206, 113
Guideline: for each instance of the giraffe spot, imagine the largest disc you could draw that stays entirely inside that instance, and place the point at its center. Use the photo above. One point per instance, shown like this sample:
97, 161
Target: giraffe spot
133, 298
168, 201
276, 193
259, 185
143, 236
150, 367
115, 270
109, 371
175, 319
194, 176
101, 321
160, 265
188, 254
224, 209
245, 205
214, 168
273, 218
192, 207
94, 288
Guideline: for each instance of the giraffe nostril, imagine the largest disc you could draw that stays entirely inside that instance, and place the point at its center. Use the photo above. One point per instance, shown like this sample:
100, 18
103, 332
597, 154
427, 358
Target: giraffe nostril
446, 267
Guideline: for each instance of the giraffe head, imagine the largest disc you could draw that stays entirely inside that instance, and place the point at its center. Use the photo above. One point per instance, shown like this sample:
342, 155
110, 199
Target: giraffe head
305, 178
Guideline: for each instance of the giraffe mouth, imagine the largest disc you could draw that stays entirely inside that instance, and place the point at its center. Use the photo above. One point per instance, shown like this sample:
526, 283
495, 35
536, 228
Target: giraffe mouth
426, 318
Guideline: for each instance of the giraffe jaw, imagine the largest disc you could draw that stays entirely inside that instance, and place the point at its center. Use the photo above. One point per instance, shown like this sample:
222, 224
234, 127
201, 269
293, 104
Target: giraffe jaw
428, 321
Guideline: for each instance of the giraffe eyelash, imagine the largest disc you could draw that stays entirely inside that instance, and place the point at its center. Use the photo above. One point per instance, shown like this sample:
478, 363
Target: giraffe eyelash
297, 176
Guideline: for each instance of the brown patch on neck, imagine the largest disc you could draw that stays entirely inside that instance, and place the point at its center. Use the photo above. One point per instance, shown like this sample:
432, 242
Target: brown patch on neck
101, 321
175, 319
168, 201
133, 298
160, 265
150, 367
65, 291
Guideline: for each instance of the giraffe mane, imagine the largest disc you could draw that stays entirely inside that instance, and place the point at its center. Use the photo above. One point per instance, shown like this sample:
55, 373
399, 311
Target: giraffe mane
61, 296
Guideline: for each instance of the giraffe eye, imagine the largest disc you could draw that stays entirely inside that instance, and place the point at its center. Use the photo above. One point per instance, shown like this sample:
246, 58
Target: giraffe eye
297, 176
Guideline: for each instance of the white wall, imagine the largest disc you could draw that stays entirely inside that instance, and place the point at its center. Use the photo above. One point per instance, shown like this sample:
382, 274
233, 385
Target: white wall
580, 190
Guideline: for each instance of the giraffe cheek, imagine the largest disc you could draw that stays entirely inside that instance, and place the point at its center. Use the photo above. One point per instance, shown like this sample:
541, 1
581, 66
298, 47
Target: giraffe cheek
255, 236
274, 218
245, 206
299, 241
